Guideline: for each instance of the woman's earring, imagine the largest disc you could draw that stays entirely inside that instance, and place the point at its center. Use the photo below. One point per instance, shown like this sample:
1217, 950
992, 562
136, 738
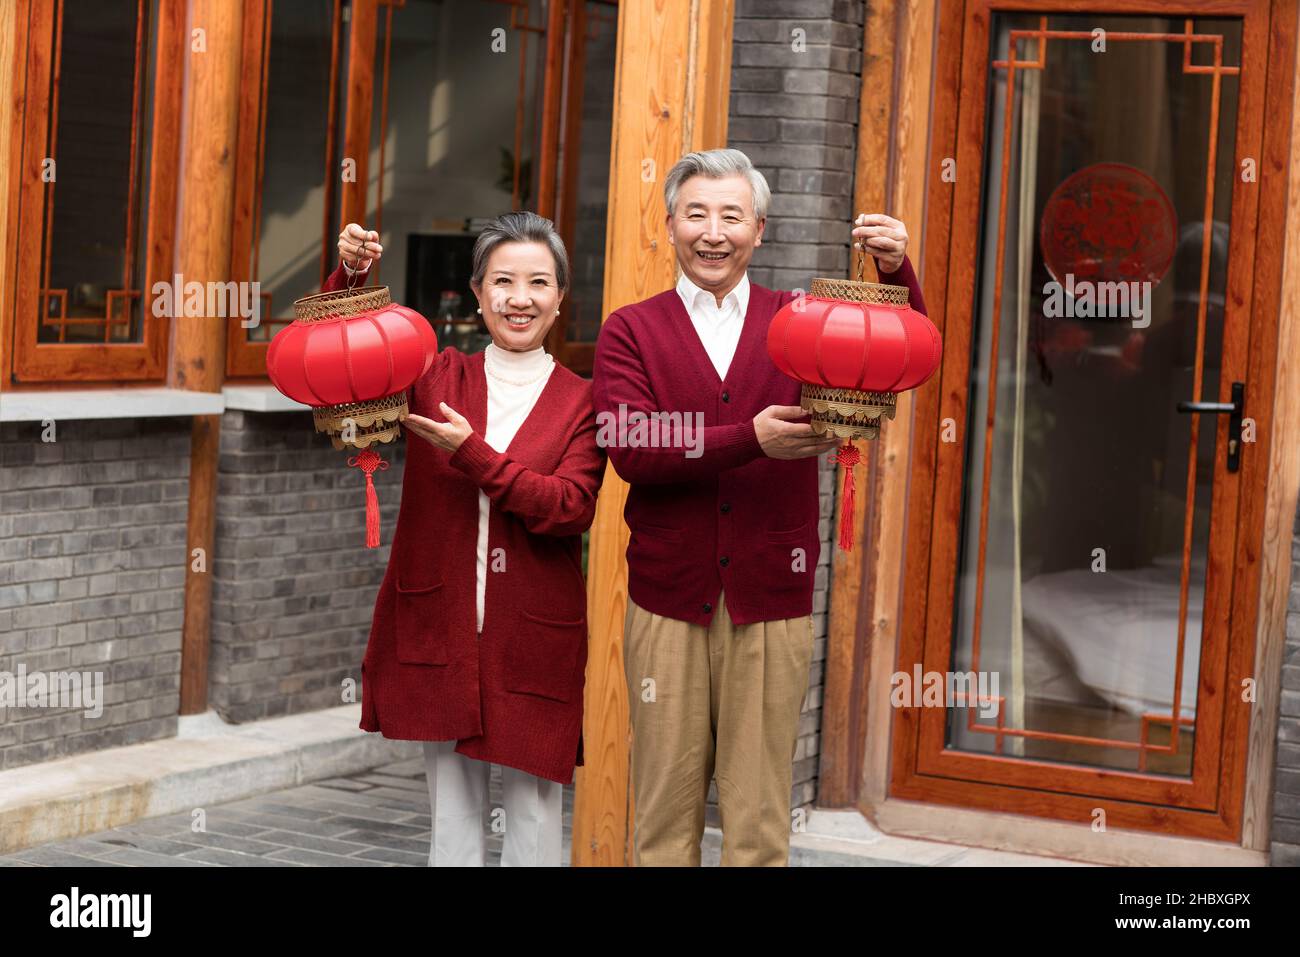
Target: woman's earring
479, 310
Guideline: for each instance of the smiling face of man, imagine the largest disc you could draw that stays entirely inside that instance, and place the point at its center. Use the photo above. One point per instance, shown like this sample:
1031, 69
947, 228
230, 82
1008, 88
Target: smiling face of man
714, 231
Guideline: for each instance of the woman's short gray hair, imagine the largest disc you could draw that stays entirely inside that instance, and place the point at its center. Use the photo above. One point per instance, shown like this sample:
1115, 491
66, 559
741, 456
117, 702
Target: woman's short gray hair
716, 164
520, 227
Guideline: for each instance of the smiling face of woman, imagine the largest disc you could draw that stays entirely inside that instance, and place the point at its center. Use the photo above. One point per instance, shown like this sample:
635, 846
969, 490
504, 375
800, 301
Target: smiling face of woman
519, 295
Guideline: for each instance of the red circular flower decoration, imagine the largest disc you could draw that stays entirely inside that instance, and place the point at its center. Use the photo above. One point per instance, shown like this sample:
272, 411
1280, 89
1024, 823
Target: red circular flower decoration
1108, 223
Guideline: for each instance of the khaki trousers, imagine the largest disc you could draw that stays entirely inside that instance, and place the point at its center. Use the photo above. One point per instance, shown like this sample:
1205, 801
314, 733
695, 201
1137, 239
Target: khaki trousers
722, 702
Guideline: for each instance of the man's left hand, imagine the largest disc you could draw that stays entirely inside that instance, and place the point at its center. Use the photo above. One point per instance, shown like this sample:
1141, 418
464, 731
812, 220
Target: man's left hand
883, 237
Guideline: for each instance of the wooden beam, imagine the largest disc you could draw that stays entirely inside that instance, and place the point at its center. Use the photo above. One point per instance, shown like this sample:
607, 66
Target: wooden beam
919, 21
552, 97
890, 177
843, 721
10, 133
198, 343
672, 83
1281, 357
574, 68
354, 201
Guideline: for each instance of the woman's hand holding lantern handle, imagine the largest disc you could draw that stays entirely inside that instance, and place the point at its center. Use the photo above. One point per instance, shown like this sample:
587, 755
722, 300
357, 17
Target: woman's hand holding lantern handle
359, 247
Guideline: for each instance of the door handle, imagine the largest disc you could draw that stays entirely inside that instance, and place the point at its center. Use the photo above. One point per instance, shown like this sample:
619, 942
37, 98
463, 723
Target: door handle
1234, 409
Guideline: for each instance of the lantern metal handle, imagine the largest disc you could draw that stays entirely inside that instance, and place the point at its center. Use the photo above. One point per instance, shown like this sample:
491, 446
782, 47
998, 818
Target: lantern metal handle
859, 269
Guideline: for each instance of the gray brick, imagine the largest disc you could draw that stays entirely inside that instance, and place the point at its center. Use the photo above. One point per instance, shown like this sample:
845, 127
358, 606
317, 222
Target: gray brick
809, 56
745, 30
751, 129
11, 595
785, 9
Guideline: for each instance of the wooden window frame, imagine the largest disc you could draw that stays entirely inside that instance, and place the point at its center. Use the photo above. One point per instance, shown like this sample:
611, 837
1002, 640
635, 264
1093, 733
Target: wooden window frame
33, 362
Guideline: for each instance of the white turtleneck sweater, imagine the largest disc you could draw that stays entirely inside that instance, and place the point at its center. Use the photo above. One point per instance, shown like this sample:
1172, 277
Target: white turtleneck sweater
514, 382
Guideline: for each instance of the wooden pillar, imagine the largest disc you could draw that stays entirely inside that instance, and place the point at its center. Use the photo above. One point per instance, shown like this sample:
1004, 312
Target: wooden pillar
197, 361
362, 29
9, 134
841, 721
672, 80
890, 177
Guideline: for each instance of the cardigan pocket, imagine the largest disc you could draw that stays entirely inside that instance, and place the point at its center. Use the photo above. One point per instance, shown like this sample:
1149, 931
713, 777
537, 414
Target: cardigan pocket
419, 621
659, 531
542, 656
656, 556
788, 536
783, 572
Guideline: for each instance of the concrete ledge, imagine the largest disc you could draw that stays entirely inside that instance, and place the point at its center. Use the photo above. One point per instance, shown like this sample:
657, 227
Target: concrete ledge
208, 763
107, 404
1024, 834
260, 398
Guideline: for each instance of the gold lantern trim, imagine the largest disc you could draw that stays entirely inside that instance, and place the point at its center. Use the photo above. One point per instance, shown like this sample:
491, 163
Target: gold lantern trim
851, 413
846, 413
374, 421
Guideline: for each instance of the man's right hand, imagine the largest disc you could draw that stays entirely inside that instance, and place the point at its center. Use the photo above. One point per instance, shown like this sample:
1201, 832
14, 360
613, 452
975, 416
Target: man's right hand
359, 247
783, 439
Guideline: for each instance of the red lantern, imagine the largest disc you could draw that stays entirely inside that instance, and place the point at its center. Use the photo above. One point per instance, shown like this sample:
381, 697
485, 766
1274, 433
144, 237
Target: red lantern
351, 355
854, 345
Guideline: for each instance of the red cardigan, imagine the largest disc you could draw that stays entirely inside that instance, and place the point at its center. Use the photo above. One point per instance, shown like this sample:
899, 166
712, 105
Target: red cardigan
731, 519
514, 695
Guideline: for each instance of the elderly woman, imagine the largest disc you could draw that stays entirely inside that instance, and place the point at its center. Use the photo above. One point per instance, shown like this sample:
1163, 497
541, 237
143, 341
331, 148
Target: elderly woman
479, 641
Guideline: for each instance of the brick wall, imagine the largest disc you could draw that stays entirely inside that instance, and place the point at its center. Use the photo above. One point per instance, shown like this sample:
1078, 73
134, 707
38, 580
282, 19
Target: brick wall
293, 586
92, 553
1285, 834
794, 113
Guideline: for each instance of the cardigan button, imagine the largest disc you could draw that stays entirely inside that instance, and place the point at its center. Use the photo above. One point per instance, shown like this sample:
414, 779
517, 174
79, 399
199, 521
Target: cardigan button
724, 561
726, 507
726, 396
708, 607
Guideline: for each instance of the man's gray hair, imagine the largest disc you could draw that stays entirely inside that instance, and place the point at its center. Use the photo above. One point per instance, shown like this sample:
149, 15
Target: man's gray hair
716, 164
520, 227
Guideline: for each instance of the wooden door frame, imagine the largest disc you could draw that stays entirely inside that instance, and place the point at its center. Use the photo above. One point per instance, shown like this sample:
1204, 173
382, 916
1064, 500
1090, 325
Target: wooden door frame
936, 765
43, 364
867, 642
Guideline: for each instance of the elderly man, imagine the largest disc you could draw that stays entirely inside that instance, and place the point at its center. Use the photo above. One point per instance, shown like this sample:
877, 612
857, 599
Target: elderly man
718, 635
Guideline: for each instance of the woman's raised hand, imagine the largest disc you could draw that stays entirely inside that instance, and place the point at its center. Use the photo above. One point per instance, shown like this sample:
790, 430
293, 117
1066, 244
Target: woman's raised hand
359, 247
445, 435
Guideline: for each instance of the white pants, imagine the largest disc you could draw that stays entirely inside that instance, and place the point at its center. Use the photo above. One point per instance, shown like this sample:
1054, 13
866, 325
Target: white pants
532, 819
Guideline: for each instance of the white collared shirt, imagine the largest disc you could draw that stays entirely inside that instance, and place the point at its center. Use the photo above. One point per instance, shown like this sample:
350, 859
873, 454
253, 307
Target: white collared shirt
717, 326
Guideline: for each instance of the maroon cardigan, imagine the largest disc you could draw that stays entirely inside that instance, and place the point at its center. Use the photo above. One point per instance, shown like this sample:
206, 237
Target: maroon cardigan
514, 695
731, 519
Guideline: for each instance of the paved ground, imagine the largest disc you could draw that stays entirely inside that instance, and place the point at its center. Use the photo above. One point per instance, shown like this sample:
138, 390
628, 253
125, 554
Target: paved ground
379, 818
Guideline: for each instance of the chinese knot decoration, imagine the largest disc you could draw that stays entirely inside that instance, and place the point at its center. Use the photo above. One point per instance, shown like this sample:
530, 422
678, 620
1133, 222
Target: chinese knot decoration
854, 345
351, 355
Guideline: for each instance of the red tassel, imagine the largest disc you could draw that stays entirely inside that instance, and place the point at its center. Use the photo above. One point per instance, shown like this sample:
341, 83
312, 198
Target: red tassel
368, 461
847, 455
372, 513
